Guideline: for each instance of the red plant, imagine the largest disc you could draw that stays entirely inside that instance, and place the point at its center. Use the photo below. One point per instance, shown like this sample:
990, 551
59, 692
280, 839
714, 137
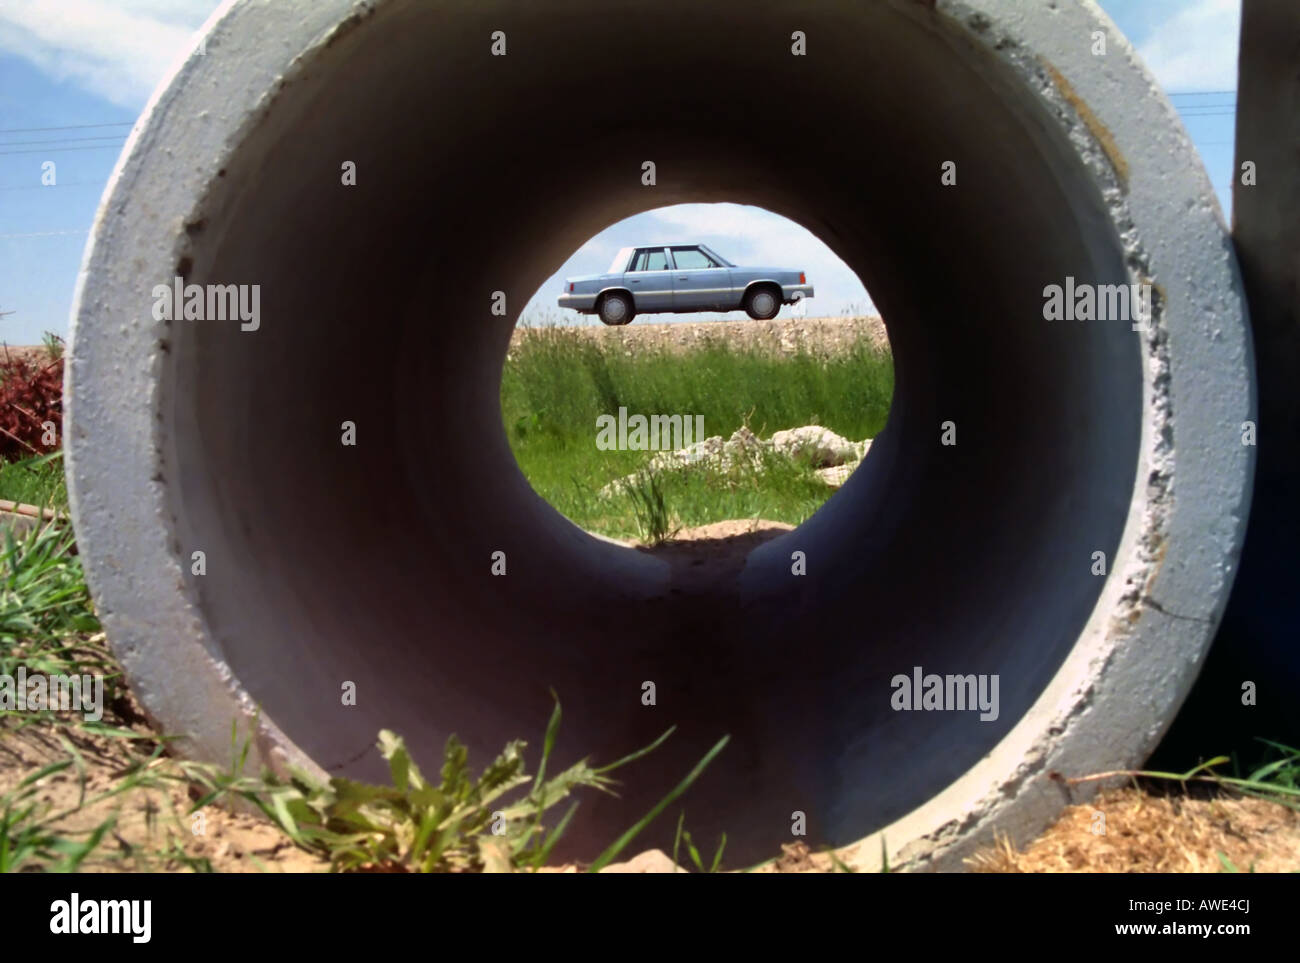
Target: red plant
31, 405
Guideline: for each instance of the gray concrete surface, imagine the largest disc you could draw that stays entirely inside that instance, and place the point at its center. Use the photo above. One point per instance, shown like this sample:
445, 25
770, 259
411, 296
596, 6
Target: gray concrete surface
1262, 624
478, 174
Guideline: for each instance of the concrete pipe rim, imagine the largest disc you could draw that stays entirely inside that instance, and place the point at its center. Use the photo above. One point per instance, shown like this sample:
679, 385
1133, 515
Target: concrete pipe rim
1132, 203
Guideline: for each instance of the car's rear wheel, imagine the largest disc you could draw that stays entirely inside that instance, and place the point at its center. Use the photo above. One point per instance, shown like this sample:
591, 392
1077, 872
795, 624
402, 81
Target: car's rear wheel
616, 309
761, 304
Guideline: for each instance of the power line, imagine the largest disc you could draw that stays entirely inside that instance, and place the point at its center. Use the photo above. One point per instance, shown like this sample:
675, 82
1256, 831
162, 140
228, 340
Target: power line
55, 150
66, 140
35, 130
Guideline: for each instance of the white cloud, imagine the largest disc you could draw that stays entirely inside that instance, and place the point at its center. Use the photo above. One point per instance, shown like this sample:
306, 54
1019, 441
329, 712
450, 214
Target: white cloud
116, 49
1196, 48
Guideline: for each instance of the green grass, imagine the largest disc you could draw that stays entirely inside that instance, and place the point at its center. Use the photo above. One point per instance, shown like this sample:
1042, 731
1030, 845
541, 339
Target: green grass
558, 382
456, 823
645, 490
1275, 779
45, 608
46, 617
35, 481
683, 835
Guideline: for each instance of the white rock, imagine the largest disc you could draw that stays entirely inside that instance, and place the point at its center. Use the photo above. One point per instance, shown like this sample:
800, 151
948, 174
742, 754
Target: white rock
701, 451
836, 475
820, 445
743, 444
827, 451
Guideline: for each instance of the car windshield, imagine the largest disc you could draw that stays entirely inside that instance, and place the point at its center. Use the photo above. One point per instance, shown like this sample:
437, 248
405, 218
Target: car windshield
619, 264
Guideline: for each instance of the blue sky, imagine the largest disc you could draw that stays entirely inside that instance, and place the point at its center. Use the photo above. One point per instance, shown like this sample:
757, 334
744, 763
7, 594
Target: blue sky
68, 63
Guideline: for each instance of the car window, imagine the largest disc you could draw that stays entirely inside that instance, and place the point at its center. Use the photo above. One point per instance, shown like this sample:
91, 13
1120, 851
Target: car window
651, 260
689, 258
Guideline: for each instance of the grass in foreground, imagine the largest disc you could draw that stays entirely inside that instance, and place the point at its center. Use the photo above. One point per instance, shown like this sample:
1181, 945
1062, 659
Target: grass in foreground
35, 481
457, 824
45, 609
558, 382
1276, 780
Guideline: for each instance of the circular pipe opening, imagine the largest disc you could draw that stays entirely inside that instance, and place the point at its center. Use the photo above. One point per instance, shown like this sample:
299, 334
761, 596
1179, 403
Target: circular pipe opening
705, 374
371, 563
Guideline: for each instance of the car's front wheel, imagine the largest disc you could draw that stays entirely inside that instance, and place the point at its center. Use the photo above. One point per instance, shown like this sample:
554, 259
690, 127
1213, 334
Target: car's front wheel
616, 309
761, 304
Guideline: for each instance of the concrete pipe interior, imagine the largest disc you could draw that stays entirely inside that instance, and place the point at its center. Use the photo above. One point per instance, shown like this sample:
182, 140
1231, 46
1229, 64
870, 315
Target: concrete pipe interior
475, 174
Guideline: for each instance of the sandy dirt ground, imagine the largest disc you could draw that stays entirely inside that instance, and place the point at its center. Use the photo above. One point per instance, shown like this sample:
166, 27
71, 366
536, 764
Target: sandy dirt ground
153, 831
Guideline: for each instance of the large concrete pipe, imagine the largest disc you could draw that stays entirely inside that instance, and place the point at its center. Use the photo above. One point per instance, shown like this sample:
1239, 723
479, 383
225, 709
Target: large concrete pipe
476, 173
1258, 638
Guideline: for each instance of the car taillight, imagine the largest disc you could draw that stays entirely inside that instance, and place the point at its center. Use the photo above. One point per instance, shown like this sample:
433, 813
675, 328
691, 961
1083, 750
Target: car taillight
802, 278
570, 287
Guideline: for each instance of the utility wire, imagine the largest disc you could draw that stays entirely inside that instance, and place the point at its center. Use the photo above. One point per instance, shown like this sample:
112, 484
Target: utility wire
35, 130
49, 150
66, 140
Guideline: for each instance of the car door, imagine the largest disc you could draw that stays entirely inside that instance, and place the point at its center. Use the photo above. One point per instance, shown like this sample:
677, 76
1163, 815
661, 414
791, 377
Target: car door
699, 282
650, 279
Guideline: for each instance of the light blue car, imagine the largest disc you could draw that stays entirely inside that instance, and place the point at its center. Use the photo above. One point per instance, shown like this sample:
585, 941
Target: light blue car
678, 278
